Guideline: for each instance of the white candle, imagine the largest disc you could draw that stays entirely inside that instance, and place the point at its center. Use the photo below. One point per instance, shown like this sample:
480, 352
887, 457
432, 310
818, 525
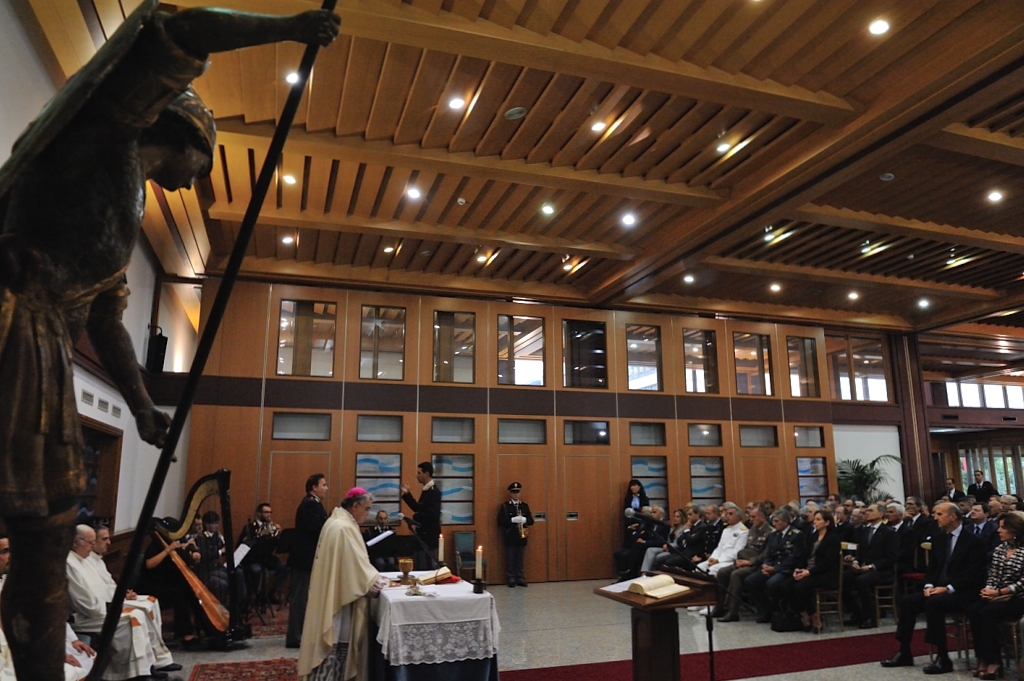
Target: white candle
440, 548
479, 562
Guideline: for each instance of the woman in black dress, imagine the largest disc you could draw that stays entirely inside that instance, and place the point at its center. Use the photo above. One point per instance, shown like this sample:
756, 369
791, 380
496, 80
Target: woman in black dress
822, 569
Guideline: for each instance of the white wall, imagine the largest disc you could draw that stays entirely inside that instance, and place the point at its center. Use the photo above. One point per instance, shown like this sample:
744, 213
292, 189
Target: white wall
867, 443
24, 84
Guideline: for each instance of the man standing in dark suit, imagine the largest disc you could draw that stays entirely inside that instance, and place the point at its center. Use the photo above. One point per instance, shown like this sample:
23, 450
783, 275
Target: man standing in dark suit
514, 517
426, 512
878, 548
956, 574
309, 520
952, 492
981, 489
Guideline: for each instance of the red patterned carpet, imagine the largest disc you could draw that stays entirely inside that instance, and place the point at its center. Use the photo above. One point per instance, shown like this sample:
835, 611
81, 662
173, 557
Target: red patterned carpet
276, 623
785, 658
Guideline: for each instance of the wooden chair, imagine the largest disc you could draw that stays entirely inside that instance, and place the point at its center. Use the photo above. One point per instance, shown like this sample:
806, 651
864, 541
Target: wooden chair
912, 581
830, 601
1013, 638
885, 597
465, 553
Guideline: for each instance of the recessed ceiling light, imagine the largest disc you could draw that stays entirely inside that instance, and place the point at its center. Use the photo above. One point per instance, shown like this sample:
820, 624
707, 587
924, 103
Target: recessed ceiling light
886, 177
456, 103
289, 179
723, 147
567, 266
688, 278
598, 127
775, 288
292, 78
413, 193
923, 303
628, 219
878, 27
288, 240
547, 209
461, 201
481, 258
515, 113
995, 196
389, 249
853, 295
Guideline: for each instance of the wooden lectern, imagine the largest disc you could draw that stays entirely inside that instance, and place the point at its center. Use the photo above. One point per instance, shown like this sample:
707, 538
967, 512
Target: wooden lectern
656, 626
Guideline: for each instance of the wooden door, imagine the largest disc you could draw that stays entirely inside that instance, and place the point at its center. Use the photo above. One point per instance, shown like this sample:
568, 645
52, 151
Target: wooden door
531, 472
589, 538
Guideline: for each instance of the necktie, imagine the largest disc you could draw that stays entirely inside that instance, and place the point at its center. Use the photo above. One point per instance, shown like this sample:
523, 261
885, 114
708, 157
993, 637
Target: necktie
871, 535
944, 572
977, 528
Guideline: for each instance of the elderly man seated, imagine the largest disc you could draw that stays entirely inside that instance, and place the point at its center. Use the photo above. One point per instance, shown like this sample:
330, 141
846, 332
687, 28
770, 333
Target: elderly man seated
138, 647
734, 538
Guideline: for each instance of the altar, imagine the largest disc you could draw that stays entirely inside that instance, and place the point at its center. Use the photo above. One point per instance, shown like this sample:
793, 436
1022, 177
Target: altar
452, 635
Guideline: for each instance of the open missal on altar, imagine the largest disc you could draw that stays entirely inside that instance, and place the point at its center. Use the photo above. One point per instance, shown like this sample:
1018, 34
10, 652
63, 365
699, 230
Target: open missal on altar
435, 576
658, 586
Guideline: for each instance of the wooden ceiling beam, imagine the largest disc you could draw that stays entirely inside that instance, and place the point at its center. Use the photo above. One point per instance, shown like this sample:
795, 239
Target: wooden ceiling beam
1008, 305
353, 224
329, 274
886, 224
449, 32
326, 145
980, 143
839, 277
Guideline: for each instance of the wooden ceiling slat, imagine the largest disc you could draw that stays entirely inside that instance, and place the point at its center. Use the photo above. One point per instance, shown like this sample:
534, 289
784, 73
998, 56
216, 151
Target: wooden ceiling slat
460, 259
556, 96
306, 246
221, 86
801, 130
483, 208
328, 79
265, 241
344, 185
568, 121
697, 142
841, 245
432, 6
686, 126
610, 32
503, 12
661, 22
736, 156
566, 205
442, 255
995, 115
382, 260
444, 195
431, 76
541, 222
525, 92
468, 9
540, 16
367, 250
326, 246
642, 140
292, 165
289, 55
550, 264
346, 251
484, 111
529, 211
584, 139
529, 265
482, 202
369, 187
409, 208
720, 37
611, 229
778, 19
575, 25
710, 157
625, 128
660, 218
407, 250
317, 185
398, 182
805, 242
469, 190
674, 45
396, 77
361, 78
513, 200
892, 258
806, 29
587, 221
258, 92
498, 257
463, 82
513, 258
471, 267
198, 224
239, 175
218, 177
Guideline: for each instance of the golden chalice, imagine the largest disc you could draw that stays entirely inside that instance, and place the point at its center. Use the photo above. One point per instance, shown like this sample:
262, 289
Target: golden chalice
405, 565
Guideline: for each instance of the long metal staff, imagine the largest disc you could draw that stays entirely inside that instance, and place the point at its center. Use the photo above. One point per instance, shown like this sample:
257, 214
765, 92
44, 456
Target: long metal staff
220, 304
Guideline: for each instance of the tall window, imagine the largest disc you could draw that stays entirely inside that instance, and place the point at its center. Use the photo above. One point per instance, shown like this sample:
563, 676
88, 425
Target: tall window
305, 345
380, 474
454, 346
987, 395
857, 368
520, 350
454, 475
585, 361
643, 356
382, 343
701, 358
753, 357
803, 367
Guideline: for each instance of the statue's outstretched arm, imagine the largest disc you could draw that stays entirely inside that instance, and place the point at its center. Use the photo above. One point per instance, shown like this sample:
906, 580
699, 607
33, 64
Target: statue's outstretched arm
114, 346
203, 30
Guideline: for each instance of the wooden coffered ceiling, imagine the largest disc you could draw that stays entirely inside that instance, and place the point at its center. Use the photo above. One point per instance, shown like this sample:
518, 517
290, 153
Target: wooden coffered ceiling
755, 144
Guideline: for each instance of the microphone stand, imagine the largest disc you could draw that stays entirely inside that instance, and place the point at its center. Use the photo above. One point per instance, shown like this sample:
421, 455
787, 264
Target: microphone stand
433, 560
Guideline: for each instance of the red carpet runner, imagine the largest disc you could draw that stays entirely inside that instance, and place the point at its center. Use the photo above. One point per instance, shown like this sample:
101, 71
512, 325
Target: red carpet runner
741, 663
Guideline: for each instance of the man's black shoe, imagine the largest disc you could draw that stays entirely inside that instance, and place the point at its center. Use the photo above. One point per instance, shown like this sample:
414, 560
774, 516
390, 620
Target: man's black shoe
521, 582
868, 624
173, 667
941, 665
900, 659
511, 585
764, 619
289, 644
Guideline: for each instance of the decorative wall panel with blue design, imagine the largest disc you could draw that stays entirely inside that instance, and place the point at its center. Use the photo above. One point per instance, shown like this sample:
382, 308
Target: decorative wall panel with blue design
652, 472
454, 476
379, 475
707, 479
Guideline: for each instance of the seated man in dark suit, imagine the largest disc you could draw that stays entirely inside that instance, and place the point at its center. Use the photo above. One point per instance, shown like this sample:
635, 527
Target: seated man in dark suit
984, 528
843, 527
690, 542
786, 551
878, 547
956, 574
382, 562
894, 518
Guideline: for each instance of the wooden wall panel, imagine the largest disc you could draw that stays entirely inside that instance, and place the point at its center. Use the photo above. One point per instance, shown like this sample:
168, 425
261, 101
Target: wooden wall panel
760, 477
589, 541
241, 342
286, 481
531, 471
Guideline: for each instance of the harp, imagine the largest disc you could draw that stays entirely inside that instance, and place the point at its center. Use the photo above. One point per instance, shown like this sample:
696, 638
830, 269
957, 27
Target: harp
214, 580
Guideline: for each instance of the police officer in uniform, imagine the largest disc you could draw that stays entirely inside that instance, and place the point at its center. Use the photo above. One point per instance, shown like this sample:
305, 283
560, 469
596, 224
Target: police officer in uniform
514, 517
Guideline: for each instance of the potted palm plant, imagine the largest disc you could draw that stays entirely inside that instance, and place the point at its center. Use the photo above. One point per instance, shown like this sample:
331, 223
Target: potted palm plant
861, 479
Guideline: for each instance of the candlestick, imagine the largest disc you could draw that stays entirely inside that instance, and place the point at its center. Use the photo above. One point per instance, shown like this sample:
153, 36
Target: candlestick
479, 562
440, 548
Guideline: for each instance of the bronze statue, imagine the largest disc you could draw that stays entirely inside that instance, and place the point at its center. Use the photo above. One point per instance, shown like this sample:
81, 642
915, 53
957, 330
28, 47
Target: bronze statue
71, 203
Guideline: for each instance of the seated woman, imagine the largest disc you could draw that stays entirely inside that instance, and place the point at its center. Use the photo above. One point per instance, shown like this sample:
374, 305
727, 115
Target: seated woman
1002, 598
160, 578
822, 571
675, 536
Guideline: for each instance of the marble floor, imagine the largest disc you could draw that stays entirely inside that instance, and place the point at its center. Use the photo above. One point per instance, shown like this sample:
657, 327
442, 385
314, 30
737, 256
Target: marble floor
565, 623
